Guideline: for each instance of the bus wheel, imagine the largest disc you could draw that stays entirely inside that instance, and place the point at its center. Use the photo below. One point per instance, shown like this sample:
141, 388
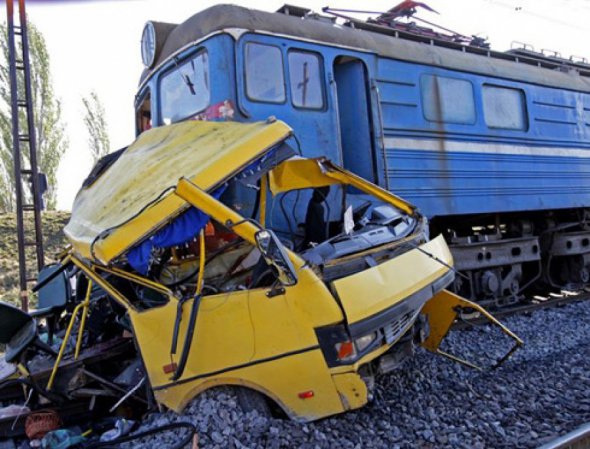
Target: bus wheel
251, 400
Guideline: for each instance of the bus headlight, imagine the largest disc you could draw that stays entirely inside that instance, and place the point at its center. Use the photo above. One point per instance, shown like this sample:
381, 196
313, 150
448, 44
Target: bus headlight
338, 346
365, 341
349, 351
345, 350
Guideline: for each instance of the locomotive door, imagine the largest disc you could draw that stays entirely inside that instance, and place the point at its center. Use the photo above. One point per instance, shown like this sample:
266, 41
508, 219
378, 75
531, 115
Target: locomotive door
354, 117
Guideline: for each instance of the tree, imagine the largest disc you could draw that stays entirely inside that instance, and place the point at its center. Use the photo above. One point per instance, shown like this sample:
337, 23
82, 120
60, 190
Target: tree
94, 119
49, 128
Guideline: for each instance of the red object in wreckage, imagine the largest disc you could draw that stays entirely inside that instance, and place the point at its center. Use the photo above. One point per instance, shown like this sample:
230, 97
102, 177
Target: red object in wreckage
223, 110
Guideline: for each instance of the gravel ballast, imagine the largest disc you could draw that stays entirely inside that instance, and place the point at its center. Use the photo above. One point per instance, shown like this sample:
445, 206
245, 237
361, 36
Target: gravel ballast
542, 392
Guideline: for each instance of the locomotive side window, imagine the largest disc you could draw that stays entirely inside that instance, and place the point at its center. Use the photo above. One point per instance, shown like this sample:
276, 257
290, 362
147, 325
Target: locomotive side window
305, 80
144, 113
504, 108
265, 80
185, 90
447, 100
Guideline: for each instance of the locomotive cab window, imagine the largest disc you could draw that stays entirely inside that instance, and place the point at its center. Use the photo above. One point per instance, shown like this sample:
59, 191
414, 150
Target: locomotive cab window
144, 114
504, 108
265, 80
447, 100
185, 90
305, 80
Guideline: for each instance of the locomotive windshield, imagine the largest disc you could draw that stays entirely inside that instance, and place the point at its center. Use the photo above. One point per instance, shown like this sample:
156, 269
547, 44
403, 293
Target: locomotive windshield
184, 91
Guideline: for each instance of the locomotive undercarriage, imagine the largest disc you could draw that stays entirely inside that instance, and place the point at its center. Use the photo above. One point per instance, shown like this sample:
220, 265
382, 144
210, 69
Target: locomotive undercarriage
567, 264
492, 267
504, 259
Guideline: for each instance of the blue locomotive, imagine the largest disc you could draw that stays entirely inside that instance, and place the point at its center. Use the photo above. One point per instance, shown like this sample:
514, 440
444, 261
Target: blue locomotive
492, 146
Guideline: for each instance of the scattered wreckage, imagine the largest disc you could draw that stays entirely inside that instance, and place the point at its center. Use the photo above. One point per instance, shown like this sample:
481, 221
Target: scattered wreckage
209, 254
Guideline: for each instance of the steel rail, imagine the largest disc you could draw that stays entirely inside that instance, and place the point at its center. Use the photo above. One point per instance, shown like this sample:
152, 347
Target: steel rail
524, 309
577, 439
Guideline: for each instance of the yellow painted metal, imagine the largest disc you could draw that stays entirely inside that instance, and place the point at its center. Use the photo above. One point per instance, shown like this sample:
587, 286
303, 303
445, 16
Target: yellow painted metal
108, 288
268, 335
134, 277
375, 289
194, 195
442, 310
296, 174
223, 214
247, 330
201, 275
83, 321
217, 343
299, 173
282, 381
352, 390
281, 324
319, 303
135, 196
351, 179
64, 343
243, 337
22, 369
260, 329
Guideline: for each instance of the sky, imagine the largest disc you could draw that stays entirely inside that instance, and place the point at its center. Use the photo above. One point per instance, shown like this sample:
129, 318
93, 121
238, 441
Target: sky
95, 45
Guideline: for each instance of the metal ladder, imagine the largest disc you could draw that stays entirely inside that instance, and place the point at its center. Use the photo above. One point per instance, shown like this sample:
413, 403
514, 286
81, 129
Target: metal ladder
23, 135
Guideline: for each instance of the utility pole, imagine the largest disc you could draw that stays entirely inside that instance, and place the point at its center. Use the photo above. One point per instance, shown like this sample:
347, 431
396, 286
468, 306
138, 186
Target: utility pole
24, 139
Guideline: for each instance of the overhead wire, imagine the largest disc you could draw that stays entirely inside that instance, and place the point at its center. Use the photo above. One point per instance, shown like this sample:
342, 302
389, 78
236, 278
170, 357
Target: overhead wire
529, 12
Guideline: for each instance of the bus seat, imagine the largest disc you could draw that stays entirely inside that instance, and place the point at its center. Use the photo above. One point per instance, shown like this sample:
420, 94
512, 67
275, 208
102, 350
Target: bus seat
53, 297
18, 331
316, 217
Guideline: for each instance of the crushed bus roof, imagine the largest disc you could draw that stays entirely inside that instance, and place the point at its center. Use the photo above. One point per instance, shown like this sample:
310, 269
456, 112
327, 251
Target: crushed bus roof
134, 197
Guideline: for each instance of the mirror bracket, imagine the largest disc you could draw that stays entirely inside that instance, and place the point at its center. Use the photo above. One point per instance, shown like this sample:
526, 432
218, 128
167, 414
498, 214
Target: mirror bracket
276, 257
277, 289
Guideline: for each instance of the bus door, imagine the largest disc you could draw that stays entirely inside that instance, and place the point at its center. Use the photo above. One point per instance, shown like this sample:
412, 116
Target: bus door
354, 117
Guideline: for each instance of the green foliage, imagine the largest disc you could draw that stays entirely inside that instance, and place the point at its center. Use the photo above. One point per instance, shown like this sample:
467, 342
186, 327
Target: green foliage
53, 241
49, 128
94, 119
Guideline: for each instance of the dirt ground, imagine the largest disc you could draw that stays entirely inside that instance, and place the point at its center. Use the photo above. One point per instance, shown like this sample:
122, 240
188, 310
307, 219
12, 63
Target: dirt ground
54, 241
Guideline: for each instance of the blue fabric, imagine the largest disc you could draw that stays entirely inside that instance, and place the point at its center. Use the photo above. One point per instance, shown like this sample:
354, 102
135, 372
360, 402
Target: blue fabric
181, 230
61, 439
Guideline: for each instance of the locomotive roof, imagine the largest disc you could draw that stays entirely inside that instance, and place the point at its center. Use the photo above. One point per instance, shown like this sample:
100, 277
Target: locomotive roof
496, 64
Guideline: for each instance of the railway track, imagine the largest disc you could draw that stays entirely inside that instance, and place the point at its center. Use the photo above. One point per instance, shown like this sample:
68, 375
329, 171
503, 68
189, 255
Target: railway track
577, 439
536, 303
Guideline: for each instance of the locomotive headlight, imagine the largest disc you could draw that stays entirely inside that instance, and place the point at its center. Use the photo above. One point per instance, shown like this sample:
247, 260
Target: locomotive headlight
148, 44
153, 36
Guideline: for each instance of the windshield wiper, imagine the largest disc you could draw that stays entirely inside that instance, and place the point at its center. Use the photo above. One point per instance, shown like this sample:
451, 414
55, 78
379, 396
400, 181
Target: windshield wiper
189, 84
